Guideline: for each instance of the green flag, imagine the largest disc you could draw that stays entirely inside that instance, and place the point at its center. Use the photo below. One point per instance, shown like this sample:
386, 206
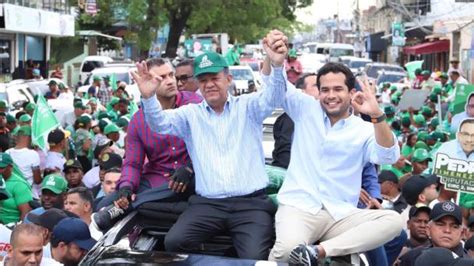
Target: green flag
133, 108
462, 93
412, 66
43, 122
113, 82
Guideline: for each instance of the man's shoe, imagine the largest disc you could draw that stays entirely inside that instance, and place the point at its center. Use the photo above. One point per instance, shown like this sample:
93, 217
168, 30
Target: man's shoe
304, 255
107, 217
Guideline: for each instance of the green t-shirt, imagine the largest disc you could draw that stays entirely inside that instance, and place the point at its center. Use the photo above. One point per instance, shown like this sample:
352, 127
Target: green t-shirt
406, 150
20, 192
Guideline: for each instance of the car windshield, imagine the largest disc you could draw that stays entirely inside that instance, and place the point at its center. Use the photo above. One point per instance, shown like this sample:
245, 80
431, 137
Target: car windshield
241, 74
391, 78
91, 65
119, 77
336, 52
358, 64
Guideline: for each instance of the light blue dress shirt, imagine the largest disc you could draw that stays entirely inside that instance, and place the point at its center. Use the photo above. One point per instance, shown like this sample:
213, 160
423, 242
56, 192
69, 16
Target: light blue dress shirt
226, 148
453, 149
456, 121
327, 161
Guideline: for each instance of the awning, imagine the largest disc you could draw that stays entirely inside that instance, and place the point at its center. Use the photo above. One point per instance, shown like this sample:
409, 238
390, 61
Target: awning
428, 48
89, 33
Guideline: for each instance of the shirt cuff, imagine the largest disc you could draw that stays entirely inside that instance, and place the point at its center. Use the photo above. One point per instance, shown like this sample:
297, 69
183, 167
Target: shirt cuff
150, 103
387, 155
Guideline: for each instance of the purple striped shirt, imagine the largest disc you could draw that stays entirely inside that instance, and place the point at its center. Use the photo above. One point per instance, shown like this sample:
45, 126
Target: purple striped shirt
164, 152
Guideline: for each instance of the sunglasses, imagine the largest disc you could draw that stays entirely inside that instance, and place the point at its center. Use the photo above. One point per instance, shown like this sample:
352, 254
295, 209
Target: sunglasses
183, 78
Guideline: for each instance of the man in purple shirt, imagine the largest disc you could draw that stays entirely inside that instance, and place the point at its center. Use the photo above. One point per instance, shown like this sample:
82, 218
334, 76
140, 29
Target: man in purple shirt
167, 158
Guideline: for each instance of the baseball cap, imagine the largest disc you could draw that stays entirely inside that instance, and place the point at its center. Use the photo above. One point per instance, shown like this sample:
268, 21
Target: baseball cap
102, 144
102, 115
420, 155
62, 86
389, 110
50, 218
11, 118
56, 136
209, 62
292, 53
415, 210
30, 107
52, 82
425, 110
386, 175
111, 128
421, 145
96, 78
84, 120
72, 164
454, 60
414, 186
436, 256
55, 183
24, 131
425, 72
4, 194
444, 75
122, 122
434, 122
25, 118
5, 160
73, 230
419, 119
3, 104
114, 101
80, 105
446, 208
110, 161
36, 72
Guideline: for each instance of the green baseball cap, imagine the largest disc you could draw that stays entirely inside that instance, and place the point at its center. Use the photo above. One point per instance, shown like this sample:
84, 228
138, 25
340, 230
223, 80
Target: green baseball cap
433, 97
444, 75
3, 104
122, 122
11, 118
55, 183
4, 194
438, 136
393, 88
425, 110
209, 62
419, 119
30, 107
437, 89
425, 72
24, 131
5, 160
292, 53
421, 145
389, 110
96, 78
395, 99
422, 135
111, 128
434, 122
80, 105
84, 119
405, 120
420, 155
62, 86
93, 100
102, 115
25, 118
114, 101
52, 82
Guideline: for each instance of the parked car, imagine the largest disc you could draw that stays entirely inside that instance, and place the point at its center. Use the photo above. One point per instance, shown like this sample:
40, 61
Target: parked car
390, 77
121, 72
356, 64
16, 94
241, 76
90, 63
372, 69
255, 64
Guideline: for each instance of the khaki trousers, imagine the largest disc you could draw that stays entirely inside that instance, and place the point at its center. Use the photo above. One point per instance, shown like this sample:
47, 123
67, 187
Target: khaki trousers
361, 231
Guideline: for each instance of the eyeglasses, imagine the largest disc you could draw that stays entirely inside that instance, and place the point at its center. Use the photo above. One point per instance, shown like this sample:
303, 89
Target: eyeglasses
183, 78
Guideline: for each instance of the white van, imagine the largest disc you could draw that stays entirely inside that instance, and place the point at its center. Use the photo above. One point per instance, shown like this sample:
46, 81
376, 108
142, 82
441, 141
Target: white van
90, 63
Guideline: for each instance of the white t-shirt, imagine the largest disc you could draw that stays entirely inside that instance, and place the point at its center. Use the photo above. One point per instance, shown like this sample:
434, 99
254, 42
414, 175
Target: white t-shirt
55, 160
26, 160
91, 178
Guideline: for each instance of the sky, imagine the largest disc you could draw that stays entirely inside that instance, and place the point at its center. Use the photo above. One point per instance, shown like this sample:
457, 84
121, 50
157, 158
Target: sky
327, 8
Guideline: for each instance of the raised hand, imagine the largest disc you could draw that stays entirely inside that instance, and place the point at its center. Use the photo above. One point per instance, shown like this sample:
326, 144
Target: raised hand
364, 101
275, 45
146, 82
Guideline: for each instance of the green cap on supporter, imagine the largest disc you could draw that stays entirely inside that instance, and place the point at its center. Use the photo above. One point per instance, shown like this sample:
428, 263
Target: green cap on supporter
425, 72
10, 118
80, 105
111, 128
421, 145
84, 119
25, 118
420, 155
422, 135
96, 78
419, 119
292, 53
209, 62
5, 160
24, 131
55, 183
3, 104
425, 110
30, 107
389, 110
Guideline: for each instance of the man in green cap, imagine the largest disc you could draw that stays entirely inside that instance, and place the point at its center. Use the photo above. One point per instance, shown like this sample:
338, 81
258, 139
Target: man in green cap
53, 192
95, 87
420, 159
70, 118
30, 108
428, 82
427, 112
390, 112
83, 142
419, 122
25, 120
3, 106
53, 92
112, 131
293, 67
17, 206
204, 128
27, 159
445, 84
11, 123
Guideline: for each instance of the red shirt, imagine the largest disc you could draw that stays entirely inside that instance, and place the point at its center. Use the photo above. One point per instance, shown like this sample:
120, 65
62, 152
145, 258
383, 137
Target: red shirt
293, 74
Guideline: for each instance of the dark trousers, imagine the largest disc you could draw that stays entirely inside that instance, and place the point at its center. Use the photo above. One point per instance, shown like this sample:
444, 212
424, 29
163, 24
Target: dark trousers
248, 219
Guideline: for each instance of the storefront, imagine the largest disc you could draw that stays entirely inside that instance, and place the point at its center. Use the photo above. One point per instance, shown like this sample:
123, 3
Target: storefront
25, 37
435, 54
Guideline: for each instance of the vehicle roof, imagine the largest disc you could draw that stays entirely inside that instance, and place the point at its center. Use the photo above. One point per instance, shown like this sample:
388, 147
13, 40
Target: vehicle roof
109, 69
341, 45
360, 59
97, 58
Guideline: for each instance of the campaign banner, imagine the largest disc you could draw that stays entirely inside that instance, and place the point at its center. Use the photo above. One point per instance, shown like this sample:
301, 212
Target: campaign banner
456, 174
462, 93
413, 98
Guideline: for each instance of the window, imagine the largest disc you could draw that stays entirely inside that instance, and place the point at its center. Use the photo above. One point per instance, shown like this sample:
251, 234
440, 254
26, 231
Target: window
5, 56
91, 65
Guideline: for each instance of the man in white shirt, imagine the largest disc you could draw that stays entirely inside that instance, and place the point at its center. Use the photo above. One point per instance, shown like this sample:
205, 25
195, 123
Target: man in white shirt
55, 159
27, 160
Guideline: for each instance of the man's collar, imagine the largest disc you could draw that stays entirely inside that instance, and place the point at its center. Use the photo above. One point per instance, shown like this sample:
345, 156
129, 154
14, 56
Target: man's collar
226, 105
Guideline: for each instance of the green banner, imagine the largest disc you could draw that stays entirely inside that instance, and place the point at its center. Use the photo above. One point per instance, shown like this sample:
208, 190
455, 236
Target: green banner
462, 92
456, 174
43, 122
412, 66
398, 34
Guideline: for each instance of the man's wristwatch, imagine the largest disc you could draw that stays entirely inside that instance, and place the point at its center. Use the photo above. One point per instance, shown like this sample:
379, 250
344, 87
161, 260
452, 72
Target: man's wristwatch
379, 119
